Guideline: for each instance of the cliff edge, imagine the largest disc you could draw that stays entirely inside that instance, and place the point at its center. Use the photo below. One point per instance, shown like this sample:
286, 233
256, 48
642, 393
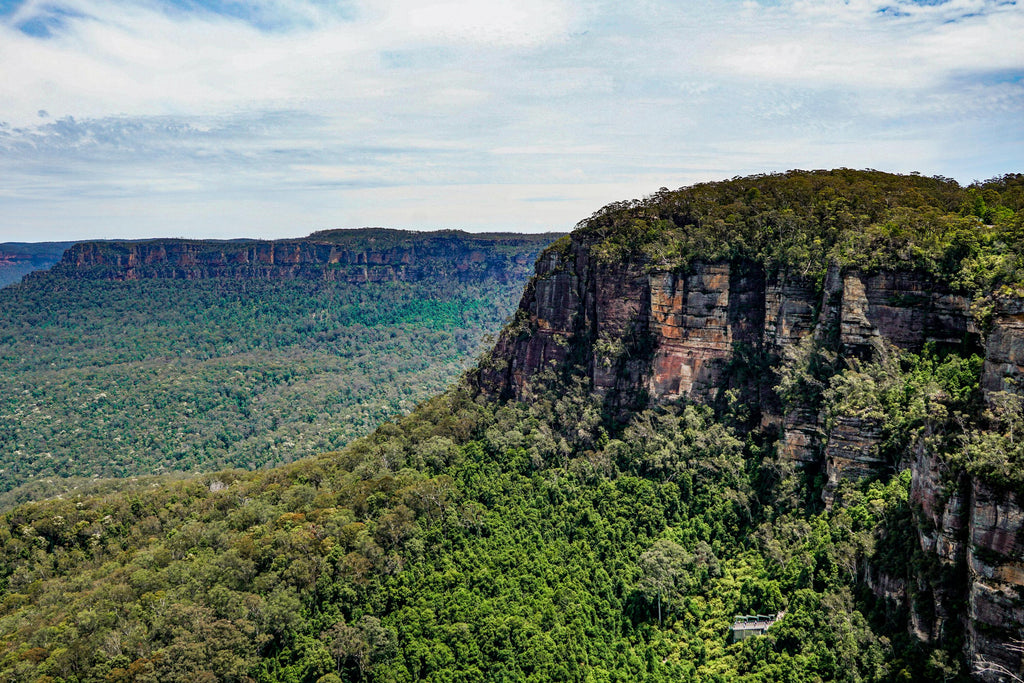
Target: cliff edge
354, 256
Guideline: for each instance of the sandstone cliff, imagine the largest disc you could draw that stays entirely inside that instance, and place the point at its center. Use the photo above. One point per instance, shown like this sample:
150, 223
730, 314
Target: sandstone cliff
366, 255
644, 333
663, 334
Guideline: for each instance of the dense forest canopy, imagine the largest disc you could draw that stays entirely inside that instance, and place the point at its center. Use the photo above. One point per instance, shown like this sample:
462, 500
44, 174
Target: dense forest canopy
489, 539
107, 378
805, 220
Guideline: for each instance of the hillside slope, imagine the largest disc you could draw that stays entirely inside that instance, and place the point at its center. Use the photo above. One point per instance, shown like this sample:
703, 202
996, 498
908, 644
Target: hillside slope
779, 394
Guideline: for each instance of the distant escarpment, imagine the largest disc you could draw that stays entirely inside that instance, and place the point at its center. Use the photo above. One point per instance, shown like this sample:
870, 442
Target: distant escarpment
17, 259
808, 306
363, 255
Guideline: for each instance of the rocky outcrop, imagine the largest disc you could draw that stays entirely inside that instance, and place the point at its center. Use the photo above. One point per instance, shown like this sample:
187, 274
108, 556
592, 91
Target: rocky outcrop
857, 316
640, 333
371, 255
903, 309
790, 304
975, 535
801, 437
661, 335
664, 334
941, 508
940, 504
996, 570
852, 453
541, 343
689, 317
1004, 348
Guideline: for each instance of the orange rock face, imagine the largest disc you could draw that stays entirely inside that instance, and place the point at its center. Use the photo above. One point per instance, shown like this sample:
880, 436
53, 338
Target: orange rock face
663, 335
689, 316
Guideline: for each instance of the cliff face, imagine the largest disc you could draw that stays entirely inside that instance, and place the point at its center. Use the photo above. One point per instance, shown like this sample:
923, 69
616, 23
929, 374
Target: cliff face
373, 255
665, 334
996, 570
659, 335
1004, 350
640, 333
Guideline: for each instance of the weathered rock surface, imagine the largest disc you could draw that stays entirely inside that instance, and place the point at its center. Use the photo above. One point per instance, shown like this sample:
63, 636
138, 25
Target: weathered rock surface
801, 436
996, 571
904, 309
555, 292
663, 334
1004, 348
941, 510
689, 317
851, 453
789, 311
656, 334
370, 255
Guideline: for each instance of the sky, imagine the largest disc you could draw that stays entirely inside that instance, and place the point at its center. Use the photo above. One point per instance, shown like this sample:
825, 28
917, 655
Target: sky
275, 118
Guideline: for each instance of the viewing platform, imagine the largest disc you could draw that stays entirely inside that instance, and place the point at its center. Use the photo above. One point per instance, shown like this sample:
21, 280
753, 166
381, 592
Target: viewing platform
744, 627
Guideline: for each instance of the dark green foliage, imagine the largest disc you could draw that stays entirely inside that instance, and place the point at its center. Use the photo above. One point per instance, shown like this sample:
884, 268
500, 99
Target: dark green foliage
114, 379
469, 541
803, 221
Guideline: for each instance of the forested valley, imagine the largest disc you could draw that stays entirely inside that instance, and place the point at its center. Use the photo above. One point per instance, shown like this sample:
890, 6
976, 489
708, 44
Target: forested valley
103, 379
18, 259
792, 394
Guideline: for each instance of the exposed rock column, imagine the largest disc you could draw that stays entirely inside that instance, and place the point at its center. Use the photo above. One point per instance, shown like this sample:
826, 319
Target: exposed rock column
689, 318
996, 568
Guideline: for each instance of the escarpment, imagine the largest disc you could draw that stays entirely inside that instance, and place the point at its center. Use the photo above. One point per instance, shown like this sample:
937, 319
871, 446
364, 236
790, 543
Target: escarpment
354, 256
17, 259
722, 322
644, 333
795, 397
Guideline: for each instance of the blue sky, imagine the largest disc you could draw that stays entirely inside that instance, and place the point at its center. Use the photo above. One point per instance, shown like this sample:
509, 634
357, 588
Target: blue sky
274, 118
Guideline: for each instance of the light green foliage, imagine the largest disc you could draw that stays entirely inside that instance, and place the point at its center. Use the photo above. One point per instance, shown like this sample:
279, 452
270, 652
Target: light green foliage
909, 396
462, 543
997, 454
113, 379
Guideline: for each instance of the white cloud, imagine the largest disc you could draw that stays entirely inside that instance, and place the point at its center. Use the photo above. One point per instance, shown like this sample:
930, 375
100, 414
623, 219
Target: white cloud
325, 107
520, 23
854, 44
132, 58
